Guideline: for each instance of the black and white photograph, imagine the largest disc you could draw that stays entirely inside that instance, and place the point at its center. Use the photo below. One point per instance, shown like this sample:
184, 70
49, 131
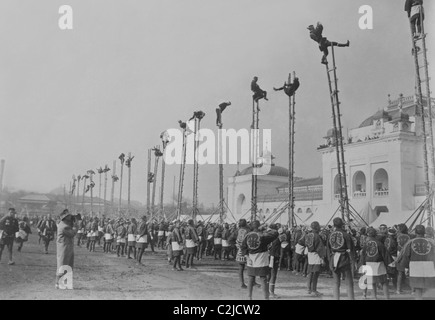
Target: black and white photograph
215, 154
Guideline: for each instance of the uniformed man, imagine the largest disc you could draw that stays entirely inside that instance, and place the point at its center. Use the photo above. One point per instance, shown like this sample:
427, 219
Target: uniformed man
402, 239
8, 228
316, 35
191, 243
418, 255
240, 258
375, 257
316, 255
48, 229
341, 257
254, 248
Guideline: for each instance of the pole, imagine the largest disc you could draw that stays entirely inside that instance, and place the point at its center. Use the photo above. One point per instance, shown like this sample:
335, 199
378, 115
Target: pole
254, 153
180, 184
149, 183
129, 182
78, 193
83, 195
112, 197
106, 169
121, 158
162, 187
156, 166
420, 110
221, 170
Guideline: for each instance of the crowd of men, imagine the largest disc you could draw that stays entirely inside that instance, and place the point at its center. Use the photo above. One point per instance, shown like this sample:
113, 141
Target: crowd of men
384, 256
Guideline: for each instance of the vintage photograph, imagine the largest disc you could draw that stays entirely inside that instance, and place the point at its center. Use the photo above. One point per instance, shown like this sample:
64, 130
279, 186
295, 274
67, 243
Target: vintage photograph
217, 150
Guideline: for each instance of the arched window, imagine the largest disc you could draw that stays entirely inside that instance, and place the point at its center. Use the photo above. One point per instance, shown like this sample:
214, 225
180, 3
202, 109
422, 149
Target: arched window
309, 211
380, 183
359, 184
267, 212
337, 187
241, 200
299, 210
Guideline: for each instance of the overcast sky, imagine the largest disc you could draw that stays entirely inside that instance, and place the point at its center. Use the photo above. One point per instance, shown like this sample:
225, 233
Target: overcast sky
73, 100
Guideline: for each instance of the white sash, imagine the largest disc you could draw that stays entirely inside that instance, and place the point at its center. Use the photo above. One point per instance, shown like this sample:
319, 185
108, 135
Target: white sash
225, 243
108, 236
217, 240
161, 233
131, 238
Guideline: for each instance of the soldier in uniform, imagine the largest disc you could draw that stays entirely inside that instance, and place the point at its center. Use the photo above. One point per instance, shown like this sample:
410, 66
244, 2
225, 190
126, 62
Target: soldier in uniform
240, 258
48, 229
419, 256
341, 257
254, 248
375, 257
8, 228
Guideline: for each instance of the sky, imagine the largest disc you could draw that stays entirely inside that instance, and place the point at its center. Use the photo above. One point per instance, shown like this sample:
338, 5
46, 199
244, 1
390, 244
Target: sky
73, 100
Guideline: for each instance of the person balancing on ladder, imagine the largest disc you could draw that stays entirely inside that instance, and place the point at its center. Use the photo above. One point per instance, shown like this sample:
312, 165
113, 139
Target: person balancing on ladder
316, 35
258, 92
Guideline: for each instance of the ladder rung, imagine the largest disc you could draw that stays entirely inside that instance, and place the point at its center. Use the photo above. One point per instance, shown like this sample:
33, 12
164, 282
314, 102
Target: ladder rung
330, 70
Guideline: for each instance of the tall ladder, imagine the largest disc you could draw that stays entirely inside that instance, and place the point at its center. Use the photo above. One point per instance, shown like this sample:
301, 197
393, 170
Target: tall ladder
195, 210
422, 77
254, 155
336, 120
156, 167
291, 198
149, 183
221, 171
181, 178
162, 189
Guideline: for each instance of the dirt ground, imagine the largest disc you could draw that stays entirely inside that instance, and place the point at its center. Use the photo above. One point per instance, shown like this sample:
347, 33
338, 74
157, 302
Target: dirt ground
105, 276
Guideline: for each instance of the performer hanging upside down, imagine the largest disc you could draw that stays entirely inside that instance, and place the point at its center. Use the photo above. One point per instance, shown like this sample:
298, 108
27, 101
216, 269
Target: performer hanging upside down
316, 35
258, 92
290, 88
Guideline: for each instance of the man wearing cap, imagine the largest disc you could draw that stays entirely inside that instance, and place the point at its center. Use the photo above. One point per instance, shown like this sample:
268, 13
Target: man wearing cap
316, 255
274, 259
419, 256
240, 258
254, 248
48, 229
131, 238
414, 9
8, 228
191, 243
316, 35
258, 92
177, 246
391, 246
376, 258
202, 240
142, 238
341, 257
65, 244
402, 239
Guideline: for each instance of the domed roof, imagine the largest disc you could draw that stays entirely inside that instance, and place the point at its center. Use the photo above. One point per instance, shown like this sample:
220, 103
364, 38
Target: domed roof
274, 171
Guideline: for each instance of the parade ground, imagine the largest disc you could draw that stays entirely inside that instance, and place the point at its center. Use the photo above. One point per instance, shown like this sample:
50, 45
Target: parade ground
105, 276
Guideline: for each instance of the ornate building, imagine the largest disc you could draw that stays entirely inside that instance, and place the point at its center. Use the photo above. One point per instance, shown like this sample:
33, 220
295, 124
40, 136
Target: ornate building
384, 167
